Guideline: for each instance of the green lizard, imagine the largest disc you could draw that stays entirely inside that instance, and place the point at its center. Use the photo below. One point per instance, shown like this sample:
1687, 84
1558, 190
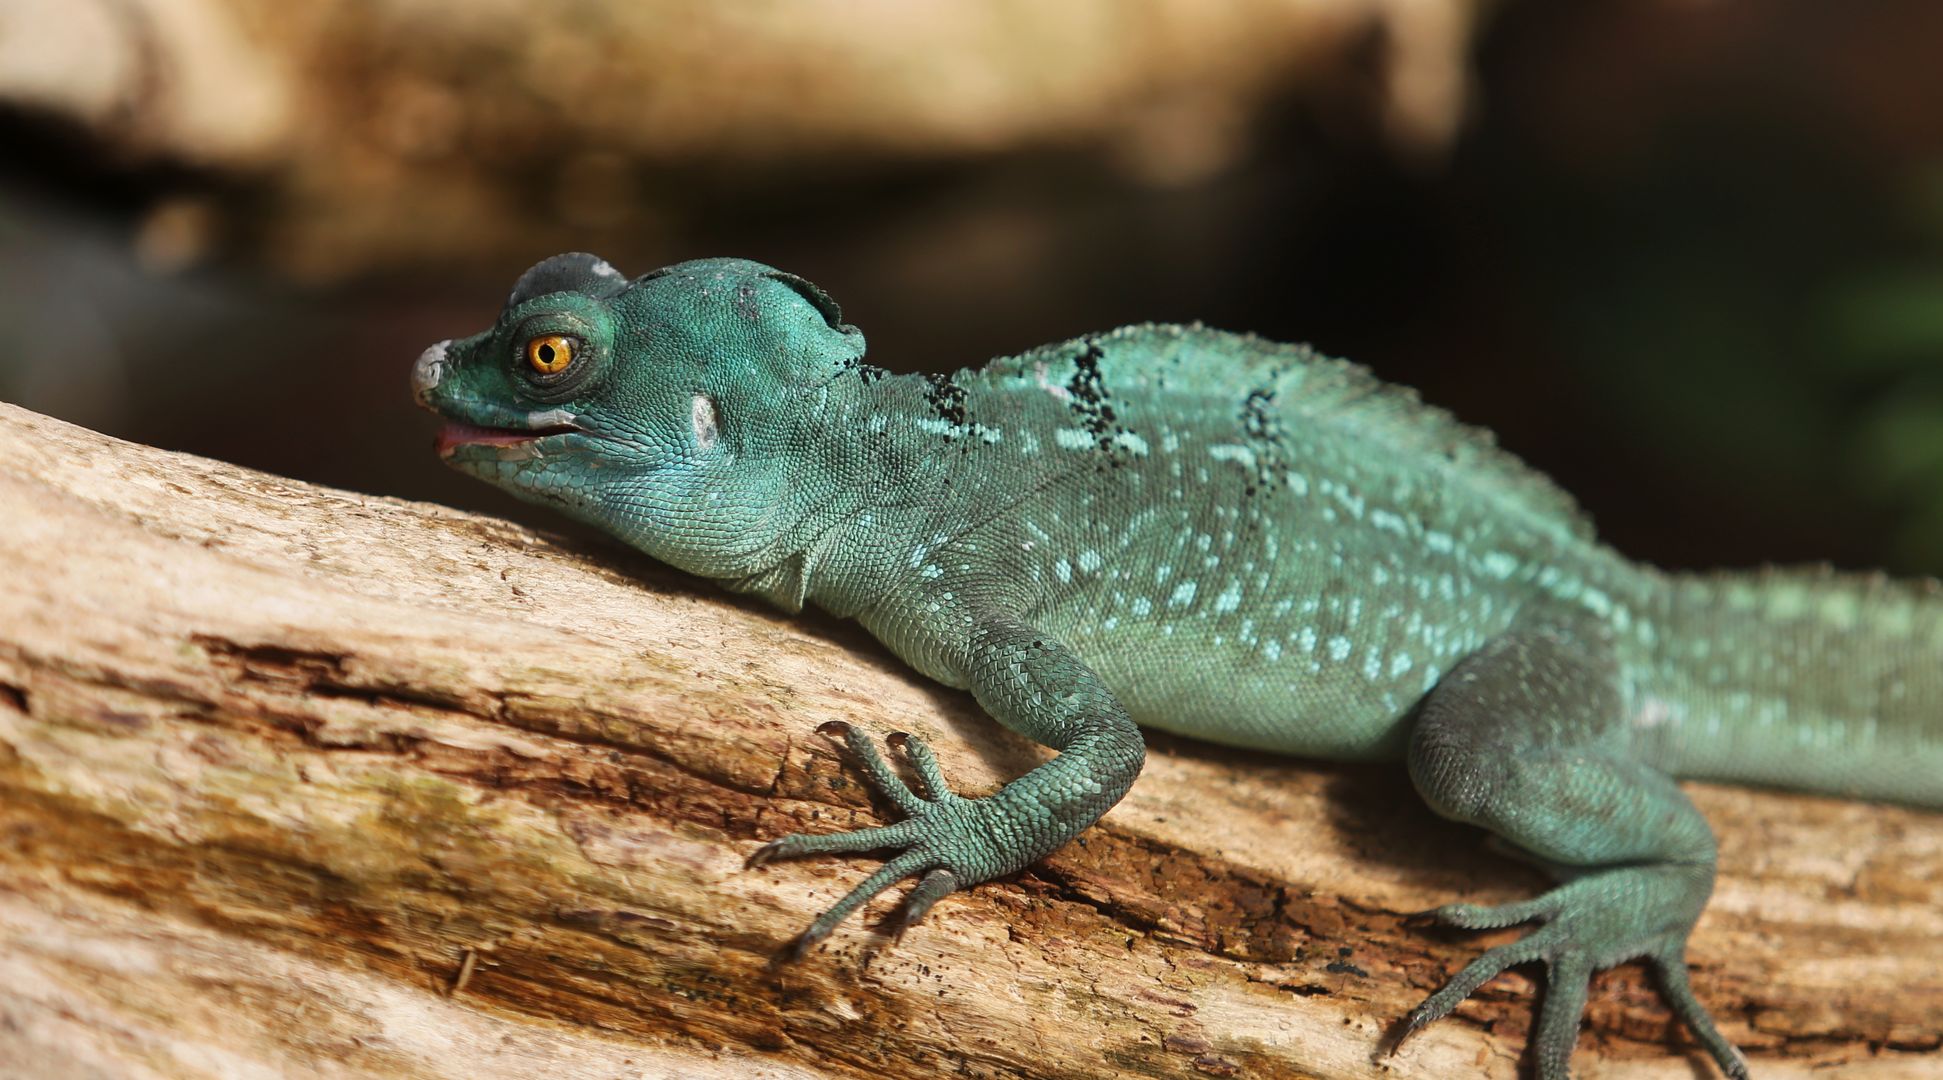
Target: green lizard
1213, 535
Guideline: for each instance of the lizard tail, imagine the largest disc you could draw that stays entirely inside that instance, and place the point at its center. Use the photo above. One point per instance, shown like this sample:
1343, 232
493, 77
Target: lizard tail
1810, 680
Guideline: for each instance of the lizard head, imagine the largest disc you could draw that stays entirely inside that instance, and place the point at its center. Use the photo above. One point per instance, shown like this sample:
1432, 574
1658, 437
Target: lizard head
675, 410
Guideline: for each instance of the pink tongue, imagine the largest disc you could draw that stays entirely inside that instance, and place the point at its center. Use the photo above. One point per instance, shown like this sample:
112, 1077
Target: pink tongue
452, 435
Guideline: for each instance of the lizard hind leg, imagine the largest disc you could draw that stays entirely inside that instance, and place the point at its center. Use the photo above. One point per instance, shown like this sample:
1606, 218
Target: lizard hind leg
1527, 738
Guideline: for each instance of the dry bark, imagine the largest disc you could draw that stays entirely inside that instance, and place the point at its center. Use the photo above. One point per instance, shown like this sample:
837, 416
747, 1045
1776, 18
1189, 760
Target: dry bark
297, 781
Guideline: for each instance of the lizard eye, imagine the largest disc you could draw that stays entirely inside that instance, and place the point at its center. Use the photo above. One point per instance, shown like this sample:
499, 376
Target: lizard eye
550, 354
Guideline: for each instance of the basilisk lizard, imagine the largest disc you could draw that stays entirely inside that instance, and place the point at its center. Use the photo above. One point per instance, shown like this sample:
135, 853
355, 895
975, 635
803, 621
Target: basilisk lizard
1213, 535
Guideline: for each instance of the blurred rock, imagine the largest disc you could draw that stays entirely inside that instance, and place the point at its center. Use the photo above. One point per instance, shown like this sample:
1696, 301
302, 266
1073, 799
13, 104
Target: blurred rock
419, 131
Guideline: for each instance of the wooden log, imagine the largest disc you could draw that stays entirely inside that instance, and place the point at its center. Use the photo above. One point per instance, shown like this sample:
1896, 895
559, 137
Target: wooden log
296, 781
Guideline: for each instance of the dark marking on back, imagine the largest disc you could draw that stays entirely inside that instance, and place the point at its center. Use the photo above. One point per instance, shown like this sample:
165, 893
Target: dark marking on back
1262, 425
1091, 402
867, 372
946, 398
1258, 417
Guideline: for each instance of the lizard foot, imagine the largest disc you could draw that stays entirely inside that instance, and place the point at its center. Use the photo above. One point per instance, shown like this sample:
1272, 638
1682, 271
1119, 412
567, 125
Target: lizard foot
1603, 918
946, 838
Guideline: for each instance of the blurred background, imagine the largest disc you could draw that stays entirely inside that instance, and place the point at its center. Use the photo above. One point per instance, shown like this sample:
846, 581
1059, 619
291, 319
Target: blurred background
1684, 255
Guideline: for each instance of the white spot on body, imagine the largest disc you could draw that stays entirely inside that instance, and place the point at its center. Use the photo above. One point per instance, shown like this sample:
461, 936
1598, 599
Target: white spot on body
937, 426
701, 416
1240, 455
1388, 522
1653, 713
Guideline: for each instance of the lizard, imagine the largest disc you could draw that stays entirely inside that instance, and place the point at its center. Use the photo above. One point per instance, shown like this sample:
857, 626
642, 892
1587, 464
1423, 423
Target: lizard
1213, 535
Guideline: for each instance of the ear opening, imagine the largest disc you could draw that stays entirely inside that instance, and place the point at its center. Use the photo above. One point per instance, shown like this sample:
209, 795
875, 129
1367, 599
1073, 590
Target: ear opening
832, 314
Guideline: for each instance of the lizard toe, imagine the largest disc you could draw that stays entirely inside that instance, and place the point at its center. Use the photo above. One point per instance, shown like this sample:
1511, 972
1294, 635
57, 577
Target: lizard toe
798, 844
1480, 917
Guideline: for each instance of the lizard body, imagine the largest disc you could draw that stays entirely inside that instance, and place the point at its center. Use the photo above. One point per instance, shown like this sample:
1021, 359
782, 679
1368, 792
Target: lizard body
1213, 535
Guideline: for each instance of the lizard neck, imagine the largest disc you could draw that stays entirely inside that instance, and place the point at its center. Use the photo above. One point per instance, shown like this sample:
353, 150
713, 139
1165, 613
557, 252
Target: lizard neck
857, 488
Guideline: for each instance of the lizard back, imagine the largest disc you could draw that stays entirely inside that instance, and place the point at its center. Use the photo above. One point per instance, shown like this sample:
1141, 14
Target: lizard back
1271, 548
1252, 542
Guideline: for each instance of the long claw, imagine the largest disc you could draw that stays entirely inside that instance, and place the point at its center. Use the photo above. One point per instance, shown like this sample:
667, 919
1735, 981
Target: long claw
1671, 967
886, 875
882, 777
1393, 1039
931, 779
1533, 946
934, 887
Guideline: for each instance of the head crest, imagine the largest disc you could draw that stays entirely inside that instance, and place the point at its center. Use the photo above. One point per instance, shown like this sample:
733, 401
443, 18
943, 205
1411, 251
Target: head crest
575, 271
819, 299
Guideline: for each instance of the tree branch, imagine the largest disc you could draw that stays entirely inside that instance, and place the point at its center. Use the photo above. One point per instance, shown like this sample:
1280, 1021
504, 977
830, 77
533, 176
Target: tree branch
300, 780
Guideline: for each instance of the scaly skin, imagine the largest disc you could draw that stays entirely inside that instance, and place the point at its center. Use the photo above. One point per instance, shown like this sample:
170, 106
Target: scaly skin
1217, 536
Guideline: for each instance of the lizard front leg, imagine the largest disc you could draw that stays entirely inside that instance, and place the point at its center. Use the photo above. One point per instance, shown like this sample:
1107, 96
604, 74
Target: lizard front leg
1527, 738
1038, 688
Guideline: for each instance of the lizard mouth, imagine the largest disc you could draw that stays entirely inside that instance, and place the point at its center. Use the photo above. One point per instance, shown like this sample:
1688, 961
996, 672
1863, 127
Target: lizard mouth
454, 435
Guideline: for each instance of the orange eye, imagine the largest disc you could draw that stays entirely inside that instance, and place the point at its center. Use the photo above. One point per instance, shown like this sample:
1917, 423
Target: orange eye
550, 354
